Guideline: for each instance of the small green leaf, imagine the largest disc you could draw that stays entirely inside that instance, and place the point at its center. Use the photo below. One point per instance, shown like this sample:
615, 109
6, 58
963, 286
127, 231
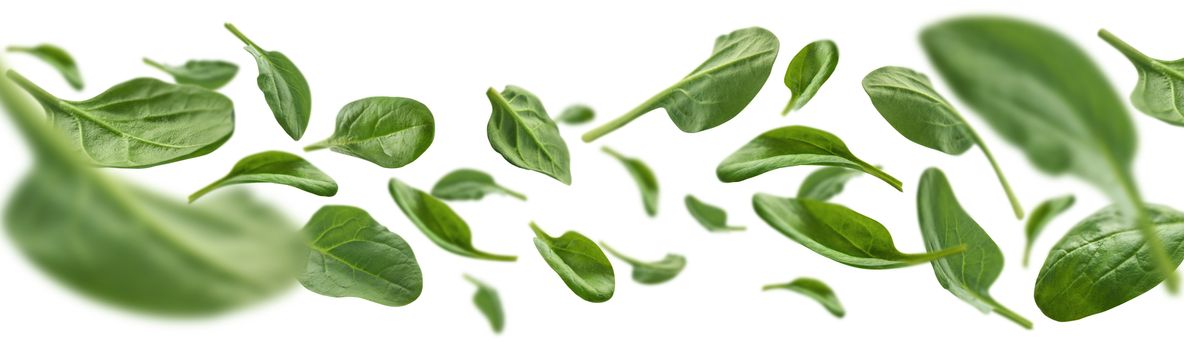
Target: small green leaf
838, 233
469, 184
351, 255
1041, 216
717, 90
791, 146
283, 86
576, 115
489, 304
580, 263
1103, 262
808, 70
388, 131
643, 176
437, 221
814, 289
656, 272
275, 167
521, 131
57, 58
1157, 93
711, 217
825, 183
945, 224
204, 73
140, 123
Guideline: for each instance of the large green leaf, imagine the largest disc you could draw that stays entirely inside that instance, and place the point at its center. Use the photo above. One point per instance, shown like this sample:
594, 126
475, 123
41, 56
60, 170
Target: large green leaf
204, 73
1041, 216
436, 220
647, 183
388, 131
140, 123
808, 70
521, 131
283, 86
579, 262
711, 217
717, 90
351, 255
275, 167
469, 184
57, 58
656, 272
945, 224
792, 146
1161, 83
813, 289
489, 303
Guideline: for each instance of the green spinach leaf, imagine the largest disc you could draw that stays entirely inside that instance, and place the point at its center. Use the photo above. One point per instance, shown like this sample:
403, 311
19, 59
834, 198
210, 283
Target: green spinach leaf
204, 73
489, 304
711, 217
57, 58
1157, 92
140, 123
439, 222
791, 146
808, 70
275, 167
813, 289
656, 272
717, 90
576, 115
1043, 94
579, 262
643, 176
1041, 216
388, 131
351, 255
469, 184
907, 100
945, 224
283, 86
838, 233
521, 131
825, 183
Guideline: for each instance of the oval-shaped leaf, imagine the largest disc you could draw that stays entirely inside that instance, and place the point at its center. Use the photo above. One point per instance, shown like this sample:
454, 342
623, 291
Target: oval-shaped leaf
1102, 263
838, 233
275, 167
57, 58
283, 86
489, 303
945, 224
652, 272
813, 289
1041, 216
711, 217
437, 221
209, 74
791, 146
1043, 94
717, 90
469, 184
521, 131
643, 176
576, 115
140, 123
825, 183
808, 70
580, 263
1157, 93
388, 131
351, 255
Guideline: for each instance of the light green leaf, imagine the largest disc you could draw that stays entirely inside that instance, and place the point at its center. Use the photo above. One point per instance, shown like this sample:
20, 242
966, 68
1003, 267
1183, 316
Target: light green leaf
643, 176
489, 304
437, 221
57, 58
825, 183
283, 86
656, 272
808, 70
351, 255
275, 167
579, 262
813, 289
204, 73
711, 217
1161, 83
576, 115
1041, 216
792, 146
469, 184
388, 131
521, 131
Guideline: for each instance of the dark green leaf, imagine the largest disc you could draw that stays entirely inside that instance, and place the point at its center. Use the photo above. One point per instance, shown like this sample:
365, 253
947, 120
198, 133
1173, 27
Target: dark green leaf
275, 167
652, 272
140, 123
439, 222
825, 183
643, 176
521, 131
1157, 93
283, 87
389, 131
814, 289
579, 262
1043, 94
1103, 262
945, 224
351, 255
57, 58
1041, 216
711, 217
791, 146
469, 184
717, 90
204, 73
576, 115
489, 304
838, 233
808, 70
907, 100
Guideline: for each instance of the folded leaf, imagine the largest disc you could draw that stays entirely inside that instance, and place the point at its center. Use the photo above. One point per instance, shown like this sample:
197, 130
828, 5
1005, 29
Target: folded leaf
275, 167
711, 217
792, 146
643, 176
489, 304
814, 289
1041, 216
57, 58
579, 262
656, 272
469, 184
351, 255
437, 221
208, 74
825, 183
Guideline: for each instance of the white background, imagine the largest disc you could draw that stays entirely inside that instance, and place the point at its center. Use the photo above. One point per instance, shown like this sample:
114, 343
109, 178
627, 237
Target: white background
611, 55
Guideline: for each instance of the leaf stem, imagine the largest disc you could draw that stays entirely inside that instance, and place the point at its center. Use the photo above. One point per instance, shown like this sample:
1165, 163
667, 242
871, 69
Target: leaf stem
930, 256
37, 92
204, 190
155, 64
241, 36
1008, 314
874, 171
1159, 253
788, 106
318, 146
511, 193
1011, 197
615, 124
1126, 49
